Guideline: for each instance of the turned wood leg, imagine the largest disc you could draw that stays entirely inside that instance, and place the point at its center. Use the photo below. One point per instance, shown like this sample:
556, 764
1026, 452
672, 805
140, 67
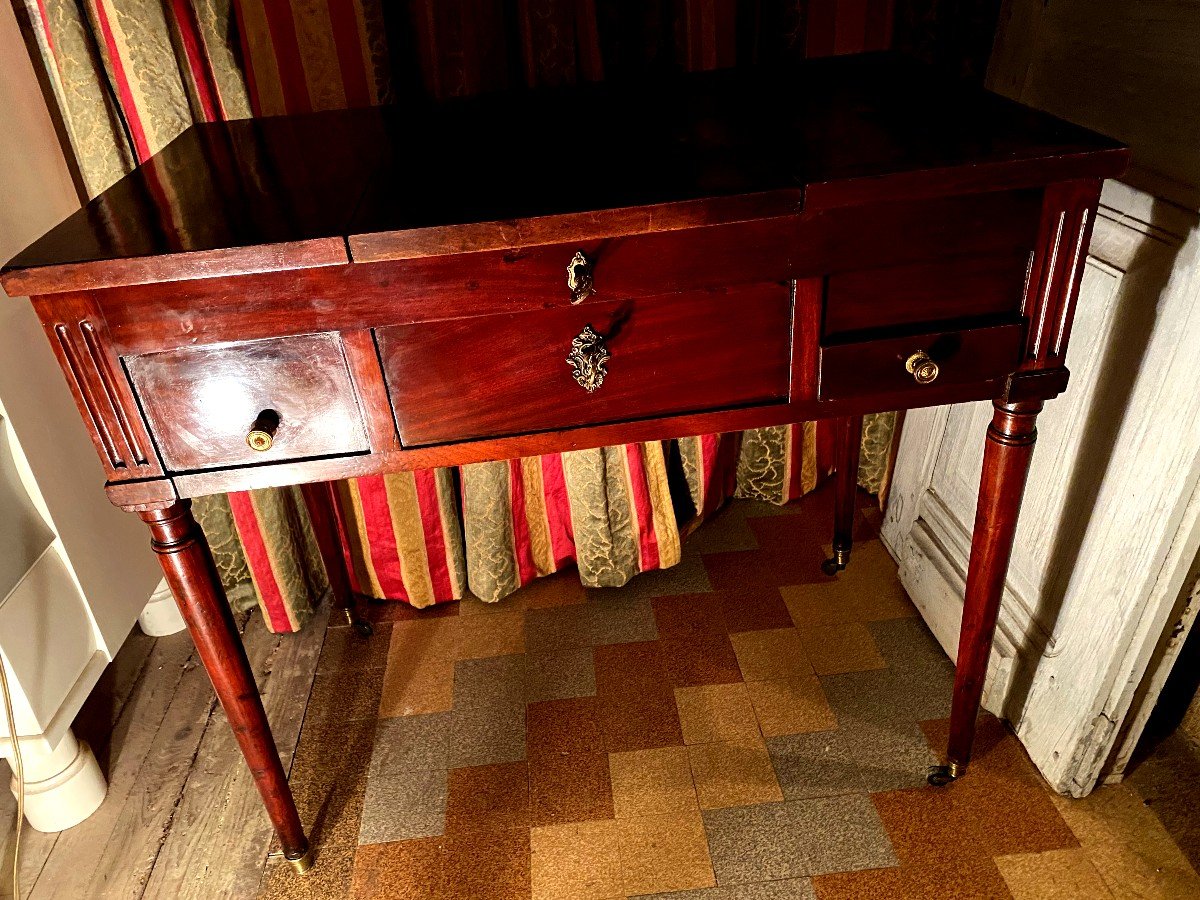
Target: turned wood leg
183, 552
328, 527
1006, 457
847, 449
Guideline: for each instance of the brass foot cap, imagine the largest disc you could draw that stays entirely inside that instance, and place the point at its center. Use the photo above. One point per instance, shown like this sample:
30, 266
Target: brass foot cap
301, 864
940, 776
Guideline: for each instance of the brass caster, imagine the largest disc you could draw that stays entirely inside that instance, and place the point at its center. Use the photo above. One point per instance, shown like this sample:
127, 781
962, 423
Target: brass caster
301, 864
836, 563
940, 776
361, 626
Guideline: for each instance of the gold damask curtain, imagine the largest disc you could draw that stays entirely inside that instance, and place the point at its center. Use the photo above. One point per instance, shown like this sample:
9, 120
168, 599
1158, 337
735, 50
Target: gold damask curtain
126, 76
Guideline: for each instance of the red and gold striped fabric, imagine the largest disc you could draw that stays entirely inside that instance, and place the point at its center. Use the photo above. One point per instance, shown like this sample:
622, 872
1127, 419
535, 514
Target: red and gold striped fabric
126, 76
404, 541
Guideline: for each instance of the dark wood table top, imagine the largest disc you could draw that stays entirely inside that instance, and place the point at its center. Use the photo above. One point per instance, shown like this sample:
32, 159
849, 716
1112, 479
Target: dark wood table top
362, 185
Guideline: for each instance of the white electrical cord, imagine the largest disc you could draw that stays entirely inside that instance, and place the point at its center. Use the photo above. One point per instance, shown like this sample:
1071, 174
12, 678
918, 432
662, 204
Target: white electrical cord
19, 771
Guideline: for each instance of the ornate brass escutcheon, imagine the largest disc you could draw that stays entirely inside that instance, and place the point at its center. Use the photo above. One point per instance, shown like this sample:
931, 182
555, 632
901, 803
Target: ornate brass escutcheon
579, 277
587, 358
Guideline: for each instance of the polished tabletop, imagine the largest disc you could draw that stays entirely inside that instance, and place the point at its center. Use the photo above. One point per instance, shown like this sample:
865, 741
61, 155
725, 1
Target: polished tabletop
822, 133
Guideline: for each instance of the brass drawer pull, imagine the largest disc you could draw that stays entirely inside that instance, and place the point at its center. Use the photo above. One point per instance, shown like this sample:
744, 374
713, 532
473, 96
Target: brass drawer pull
922, 367
587, 358
262, 432
579, 277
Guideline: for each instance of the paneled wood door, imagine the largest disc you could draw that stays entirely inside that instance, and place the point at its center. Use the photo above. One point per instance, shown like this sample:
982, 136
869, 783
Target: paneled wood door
1105, 559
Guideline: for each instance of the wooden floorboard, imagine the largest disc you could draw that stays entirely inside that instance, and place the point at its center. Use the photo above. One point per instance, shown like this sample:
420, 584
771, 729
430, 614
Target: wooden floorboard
219, 835
181, 804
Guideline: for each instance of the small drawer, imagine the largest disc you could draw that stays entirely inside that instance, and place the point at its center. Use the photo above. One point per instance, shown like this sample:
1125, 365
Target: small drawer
969, 356
202, 403
941, 290
645, 357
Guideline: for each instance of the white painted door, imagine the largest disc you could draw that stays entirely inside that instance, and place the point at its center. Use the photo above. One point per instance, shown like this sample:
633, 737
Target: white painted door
1110, 526
1109, 515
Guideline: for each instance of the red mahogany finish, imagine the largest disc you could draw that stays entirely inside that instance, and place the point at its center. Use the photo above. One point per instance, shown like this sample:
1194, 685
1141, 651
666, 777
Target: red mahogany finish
298, 300
188, 564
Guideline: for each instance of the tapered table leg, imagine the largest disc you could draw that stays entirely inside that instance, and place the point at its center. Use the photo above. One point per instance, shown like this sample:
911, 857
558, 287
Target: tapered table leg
847, 449
1009, 448
185, 557
327, 528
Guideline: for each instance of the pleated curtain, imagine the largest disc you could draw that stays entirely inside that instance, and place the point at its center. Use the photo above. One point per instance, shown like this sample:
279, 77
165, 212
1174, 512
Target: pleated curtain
124, 77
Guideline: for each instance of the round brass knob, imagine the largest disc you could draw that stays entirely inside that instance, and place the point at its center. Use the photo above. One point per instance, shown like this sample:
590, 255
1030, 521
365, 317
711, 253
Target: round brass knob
262, 432
922, 367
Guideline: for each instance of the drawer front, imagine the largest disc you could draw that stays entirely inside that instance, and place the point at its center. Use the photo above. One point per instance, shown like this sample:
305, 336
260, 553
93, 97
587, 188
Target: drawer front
867, 368
203, 402
971, 286
494, 375
638, 265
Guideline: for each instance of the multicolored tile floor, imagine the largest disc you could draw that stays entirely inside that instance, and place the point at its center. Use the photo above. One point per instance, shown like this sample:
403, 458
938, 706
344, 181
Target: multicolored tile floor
740, 727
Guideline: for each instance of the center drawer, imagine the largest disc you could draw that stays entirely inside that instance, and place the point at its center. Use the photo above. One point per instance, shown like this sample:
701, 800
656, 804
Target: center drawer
599, 362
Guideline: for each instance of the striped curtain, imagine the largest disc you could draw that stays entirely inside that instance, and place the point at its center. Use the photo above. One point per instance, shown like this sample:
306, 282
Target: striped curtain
126, 76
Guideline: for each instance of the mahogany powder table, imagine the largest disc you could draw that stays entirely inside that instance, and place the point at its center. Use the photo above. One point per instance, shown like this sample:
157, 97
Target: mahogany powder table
301, 299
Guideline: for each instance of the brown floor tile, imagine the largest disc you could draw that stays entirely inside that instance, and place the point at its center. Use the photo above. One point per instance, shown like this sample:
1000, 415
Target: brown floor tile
754, 609
471, 605
971, 878
631, 669
639, 722
1128, 844
559, 674
719, 712
1010, 805
404, 870
880, 595
652, 782
560, 589
836, 649
579, 861
572, 725
927, 828
328, 780
790, 705
689, 615
776, 653
1168, 780
345, 696
701, 659
1054, 875
438, 638
977, 814
385, 611
329, 879
488, 865
570, 787
667, 853
345, 649
733, 774
821, 603
488, 798
497, 635
413, 686
739, 570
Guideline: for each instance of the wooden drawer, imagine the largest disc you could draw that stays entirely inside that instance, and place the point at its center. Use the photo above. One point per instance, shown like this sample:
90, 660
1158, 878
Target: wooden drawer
202, 402
509, 374
636, 265
866, 368
939, 290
